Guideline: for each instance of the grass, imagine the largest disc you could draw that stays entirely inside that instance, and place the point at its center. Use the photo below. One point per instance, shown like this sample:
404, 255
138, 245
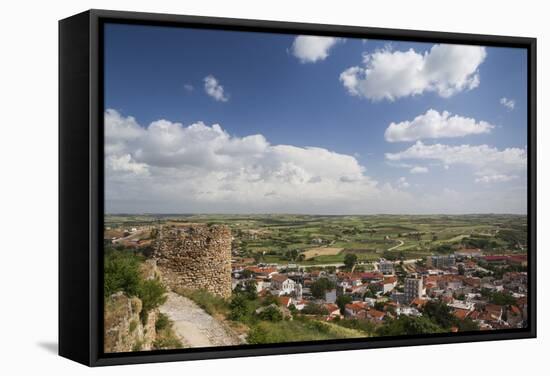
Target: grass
166, 338
299, 330
212, 304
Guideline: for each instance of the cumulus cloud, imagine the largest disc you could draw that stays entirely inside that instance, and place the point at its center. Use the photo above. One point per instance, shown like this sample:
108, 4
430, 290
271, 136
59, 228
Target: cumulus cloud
510, 104
419, 170
309, 48
188, 87
433, 124
169, 167
485, 160
213, 88
387, 74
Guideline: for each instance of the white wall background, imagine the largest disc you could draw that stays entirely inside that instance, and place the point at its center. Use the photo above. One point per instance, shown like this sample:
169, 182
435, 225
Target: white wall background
28, 170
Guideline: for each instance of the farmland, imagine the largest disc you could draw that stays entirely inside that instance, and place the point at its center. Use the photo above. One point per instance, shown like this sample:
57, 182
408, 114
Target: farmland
316, 240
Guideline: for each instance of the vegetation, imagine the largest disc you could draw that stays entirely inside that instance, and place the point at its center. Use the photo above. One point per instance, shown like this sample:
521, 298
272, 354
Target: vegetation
165, 338
405, 325
212, 304
122, 273
320, 287
298, 330
341, 302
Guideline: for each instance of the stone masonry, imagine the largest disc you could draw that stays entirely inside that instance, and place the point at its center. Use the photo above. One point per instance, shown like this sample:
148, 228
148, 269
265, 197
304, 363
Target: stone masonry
195, 256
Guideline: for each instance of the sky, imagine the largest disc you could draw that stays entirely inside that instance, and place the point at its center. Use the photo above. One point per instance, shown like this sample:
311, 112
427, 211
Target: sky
207, 121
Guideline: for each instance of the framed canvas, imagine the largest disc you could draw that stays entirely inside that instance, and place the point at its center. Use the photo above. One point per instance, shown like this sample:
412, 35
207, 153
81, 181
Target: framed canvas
240, 187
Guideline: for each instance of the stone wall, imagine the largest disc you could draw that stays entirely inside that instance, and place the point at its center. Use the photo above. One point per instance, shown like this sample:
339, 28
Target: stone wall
195, 256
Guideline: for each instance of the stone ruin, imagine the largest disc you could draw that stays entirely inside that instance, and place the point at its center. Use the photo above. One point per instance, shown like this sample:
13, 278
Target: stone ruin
195, 256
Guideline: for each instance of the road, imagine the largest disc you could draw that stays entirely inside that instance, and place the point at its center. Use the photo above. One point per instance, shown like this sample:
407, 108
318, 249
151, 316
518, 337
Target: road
194, 326
397, 246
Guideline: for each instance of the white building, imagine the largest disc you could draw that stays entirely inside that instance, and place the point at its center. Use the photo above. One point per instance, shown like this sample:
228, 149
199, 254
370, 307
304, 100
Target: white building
413, 289
282, 285
385, 266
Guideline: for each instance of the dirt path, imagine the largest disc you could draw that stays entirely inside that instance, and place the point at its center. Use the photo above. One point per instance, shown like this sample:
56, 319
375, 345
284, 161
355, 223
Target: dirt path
194, 326
396, 246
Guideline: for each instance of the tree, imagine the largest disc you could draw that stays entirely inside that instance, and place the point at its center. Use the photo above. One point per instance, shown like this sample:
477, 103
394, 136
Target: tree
405, 325
271, 313
468, 325
341, 302
440, 313
247, 273
314, 309
349, 260
251, 289
152, 294
501, 298
320, 287
239, 306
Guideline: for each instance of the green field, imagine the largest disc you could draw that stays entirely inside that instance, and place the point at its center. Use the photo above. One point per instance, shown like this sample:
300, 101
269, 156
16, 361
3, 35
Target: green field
282, 238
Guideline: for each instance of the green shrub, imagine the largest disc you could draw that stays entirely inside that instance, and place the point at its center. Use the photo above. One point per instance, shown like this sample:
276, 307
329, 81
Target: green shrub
271, 313
162, 322
152, 294
121, 272
133, 326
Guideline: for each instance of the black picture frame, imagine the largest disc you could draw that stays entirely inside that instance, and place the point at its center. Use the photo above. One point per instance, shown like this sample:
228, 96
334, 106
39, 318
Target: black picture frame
81, 185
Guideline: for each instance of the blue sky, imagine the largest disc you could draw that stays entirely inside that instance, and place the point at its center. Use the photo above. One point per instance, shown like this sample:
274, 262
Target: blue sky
270, 88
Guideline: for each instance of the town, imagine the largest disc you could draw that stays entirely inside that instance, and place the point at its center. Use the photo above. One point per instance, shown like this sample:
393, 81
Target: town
473, 286
296, 278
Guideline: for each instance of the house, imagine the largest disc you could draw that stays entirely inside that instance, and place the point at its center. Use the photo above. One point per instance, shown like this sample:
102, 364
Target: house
262, 272
285, 301
375, 315
282, 285
355, 309
491, 312
333, 310
419, 303
389, 284
408, 311
514, 317
461, 304
461, 314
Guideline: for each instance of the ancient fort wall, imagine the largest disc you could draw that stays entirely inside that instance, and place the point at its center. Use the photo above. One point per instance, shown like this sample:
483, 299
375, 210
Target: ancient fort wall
195, 256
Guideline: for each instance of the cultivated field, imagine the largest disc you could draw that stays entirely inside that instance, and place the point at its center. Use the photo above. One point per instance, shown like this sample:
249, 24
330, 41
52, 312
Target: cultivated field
316, 240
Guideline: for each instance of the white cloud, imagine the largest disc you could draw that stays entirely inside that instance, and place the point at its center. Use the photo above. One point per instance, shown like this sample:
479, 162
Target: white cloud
484, 160
213, 88
497, 178
188, 87
433, 124
510, 104
387, 74
309, 48
418, 170
168, 167
402, 182
125, 163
